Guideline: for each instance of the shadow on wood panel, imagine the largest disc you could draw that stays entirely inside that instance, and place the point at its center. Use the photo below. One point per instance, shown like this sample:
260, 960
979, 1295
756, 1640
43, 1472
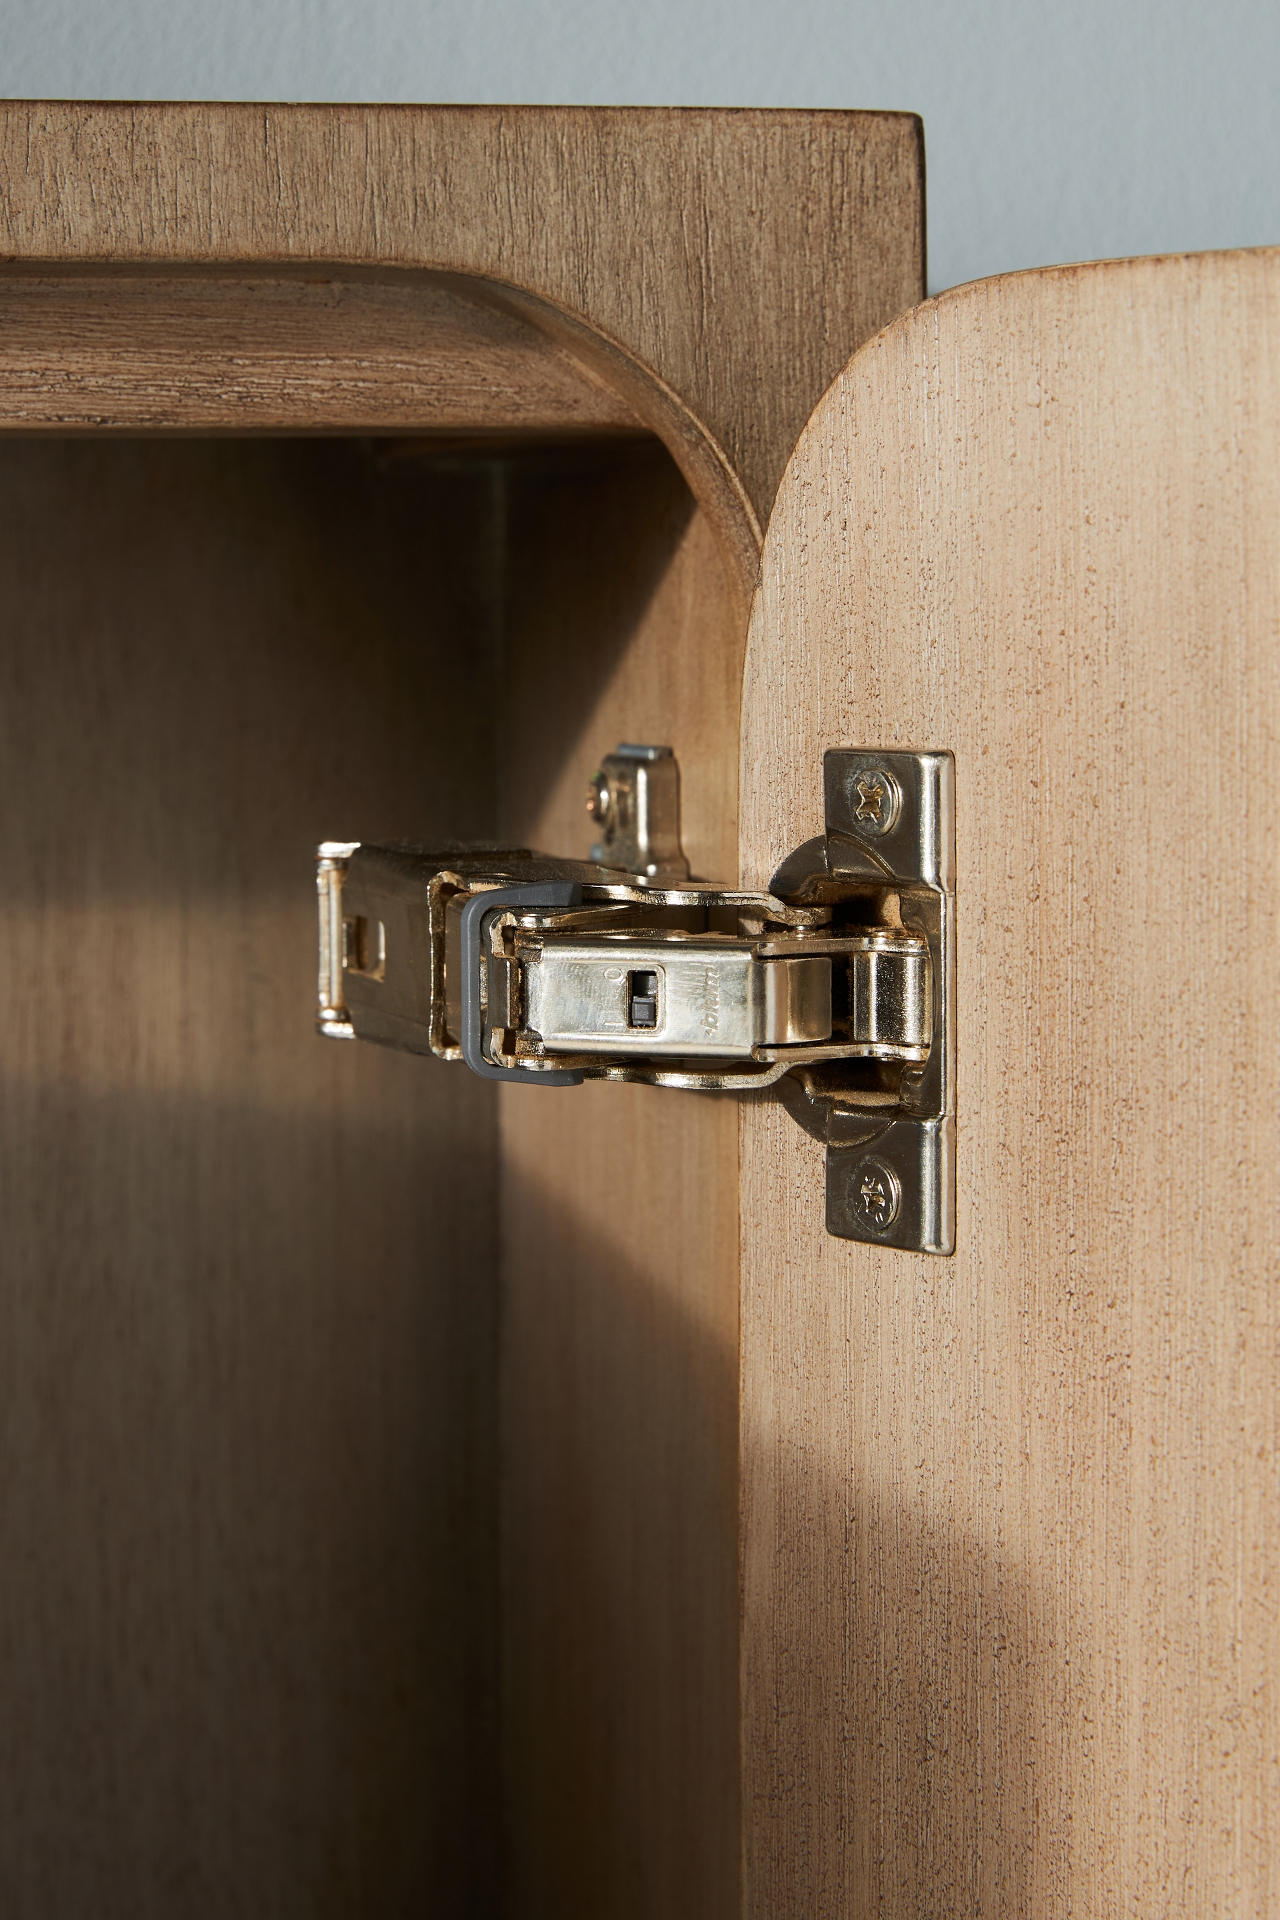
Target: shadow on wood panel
247, 1624
914, 1795
619, 1380
591, 536
585, 531
619, 1257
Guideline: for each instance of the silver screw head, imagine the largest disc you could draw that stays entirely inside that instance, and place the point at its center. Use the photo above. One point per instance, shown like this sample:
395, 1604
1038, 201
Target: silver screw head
875, 1195
875, 800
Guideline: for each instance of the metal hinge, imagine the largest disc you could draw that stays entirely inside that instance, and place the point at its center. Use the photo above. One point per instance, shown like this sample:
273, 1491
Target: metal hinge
835, 987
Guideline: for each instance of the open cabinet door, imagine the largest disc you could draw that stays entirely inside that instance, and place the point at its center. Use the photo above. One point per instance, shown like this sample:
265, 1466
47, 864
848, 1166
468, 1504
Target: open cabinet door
1010, 1520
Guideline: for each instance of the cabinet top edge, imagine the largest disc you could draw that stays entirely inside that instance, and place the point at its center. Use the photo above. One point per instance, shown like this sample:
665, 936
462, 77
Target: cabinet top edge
232, 110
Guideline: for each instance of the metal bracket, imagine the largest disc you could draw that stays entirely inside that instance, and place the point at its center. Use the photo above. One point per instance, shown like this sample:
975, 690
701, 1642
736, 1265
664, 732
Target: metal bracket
891, 823
835, 987
634, 799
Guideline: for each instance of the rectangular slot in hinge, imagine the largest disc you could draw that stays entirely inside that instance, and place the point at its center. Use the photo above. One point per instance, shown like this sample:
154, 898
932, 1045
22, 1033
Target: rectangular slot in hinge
364, 946
642, 999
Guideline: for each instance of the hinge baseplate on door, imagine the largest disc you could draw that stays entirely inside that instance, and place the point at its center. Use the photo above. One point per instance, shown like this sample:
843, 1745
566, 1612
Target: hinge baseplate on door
835, 987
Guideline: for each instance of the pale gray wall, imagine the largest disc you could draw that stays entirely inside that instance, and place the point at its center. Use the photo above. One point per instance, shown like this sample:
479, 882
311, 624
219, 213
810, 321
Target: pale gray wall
1055, 131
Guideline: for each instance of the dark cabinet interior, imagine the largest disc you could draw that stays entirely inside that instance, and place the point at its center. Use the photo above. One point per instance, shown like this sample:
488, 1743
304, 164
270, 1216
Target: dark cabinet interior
308, 1577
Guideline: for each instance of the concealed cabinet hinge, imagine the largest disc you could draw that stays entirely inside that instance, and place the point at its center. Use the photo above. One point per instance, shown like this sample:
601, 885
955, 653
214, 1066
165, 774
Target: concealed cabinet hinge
835, 987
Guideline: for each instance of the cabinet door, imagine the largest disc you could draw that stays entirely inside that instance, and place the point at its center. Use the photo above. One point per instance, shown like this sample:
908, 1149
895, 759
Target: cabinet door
1010, 1520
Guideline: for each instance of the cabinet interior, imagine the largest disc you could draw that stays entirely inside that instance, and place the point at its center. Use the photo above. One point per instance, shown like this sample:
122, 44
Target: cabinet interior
374, 1430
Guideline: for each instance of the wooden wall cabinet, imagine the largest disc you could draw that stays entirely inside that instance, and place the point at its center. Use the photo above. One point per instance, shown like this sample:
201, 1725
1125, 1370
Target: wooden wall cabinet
371, 1530
429, 1497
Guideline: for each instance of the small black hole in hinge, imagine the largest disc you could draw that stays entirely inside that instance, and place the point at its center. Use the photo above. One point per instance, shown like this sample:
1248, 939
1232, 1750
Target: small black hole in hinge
642, 999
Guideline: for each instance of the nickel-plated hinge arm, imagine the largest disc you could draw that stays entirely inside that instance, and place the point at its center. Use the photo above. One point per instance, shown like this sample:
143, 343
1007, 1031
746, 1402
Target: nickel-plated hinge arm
545, 972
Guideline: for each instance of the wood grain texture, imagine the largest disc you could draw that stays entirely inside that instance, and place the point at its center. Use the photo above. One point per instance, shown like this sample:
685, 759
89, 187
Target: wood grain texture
144, 353
619, 1260
1011, 1520
248, 1624
737, 258
296, 1693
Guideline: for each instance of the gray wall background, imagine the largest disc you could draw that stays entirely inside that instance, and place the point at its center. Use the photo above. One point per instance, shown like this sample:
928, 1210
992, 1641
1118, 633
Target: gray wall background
1055, 131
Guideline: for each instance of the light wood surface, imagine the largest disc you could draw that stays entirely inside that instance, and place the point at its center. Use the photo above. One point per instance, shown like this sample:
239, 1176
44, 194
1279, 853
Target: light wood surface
1011, 1521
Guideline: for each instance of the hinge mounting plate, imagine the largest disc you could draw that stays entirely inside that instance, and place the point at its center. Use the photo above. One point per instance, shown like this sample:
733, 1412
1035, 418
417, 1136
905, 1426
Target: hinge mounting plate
890, 821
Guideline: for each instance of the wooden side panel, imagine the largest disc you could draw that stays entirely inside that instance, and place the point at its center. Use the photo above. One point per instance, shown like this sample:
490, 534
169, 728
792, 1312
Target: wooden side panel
620, 1282
248, 1634
1012, 1520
